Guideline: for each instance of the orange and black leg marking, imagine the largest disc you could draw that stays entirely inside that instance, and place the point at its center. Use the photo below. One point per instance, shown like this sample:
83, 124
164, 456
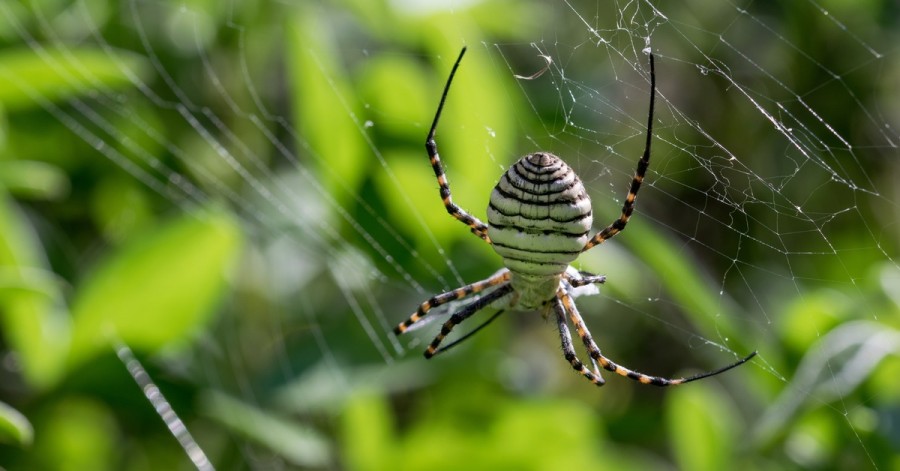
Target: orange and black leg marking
475, 225
608, 364
464, 314
567, 347
585, 279
619, 224
445, 298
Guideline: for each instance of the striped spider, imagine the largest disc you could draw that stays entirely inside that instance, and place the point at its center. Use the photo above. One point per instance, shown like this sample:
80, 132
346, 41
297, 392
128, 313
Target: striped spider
539, 220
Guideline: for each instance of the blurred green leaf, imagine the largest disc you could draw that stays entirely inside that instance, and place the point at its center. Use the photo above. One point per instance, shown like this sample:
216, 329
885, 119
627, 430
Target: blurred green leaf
808, 318
813, 440
32, 312
367, 431
712, 313
701, 427
484, 432
411, 176
76, 434
57, 74
830, 370
475, 139
157, 289
326, 108
322, 389
120, 207
33, 179
391, 86
14, 427
297, 443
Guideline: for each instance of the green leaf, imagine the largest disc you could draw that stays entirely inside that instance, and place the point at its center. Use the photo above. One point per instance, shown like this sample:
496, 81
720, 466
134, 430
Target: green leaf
14, 427
319, 390
58, 74
297, 443
157, 289
712, 313
76, 433
831, 369
33, 317
367, 431
475, 138
700, 425
33, 179
325, 106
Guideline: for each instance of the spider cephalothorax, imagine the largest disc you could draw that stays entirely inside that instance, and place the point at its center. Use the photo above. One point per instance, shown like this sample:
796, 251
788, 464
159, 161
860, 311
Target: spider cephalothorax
539, 221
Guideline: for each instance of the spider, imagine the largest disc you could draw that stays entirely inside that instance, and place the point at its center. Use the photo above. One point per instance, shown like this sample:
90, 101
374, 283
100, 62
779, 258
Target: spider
539, 221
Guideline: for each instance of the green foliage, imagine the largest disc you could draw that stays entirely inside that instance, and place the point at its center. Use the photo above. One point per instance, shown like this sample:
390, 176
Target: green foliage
26, 80
490, 433
14, 427
260, 300
297, 443
156, 290
33, 318
702, 428
77, 433
324, 105
35, 180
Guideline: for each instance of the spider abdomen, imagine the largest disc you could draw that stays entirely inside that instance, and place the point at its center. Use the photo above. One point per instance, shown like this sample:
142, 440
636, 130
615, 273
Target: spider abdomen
539, 216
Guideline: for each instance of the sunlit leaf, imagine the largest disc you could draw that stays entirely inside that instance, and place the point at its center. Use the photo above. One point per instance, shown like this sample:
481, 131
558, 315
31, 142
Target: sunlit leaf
157, 289
55, 74
830, 370
390, 85
710, 312
33, 179
700, 425
32, 314
322, 389
808, 318
325, 105
299, 444
367, 433
74, 434
14, 427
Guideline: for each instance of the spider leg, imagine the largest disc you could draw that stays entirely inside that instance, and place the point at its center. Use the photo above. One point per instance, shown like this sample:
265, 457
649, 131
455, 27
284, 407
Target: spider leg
608, 364
642, 165
473, 332
569, 350
584, 279
475, 225
445, 298
464, 314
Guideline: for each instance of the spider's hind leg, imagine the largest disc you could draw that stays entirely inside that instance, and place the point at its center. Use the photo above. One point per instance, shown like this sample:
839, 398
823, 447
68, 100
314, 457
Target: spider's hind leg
573, 279
567, 347
607, 364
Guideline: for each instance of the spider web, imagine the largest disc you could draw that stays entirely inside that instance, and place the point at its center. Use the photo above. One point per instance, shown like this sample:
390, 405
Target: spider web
765, 151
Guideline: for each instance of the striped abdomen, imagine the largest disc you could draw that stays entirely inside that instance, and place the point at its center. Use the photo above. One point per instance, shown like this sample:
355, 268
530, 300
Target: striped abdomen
539, 218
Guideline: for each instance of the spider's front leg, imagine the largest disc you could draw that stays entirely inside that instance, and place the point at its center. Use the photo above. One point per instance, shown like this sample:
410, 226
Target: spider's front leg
475, 225
628, 207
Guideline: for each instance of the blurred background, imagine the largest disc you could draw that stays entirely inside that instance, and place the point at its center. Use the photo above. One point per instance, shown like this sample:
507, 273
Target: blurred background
229, 204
